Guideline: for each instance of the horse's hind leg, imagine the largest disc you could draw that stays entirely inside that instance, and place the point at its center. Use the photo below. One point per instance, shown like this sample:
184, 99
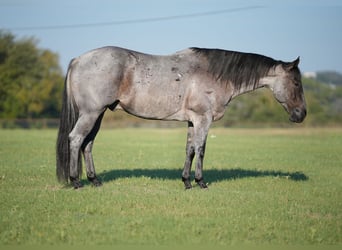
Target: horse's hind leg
87, 152
190, 153
83, 127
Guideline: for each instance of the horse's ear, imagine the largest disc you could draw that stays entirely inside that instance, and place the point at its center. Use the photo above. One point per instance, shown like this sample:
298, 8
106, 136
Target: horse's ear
296, 62
291, 65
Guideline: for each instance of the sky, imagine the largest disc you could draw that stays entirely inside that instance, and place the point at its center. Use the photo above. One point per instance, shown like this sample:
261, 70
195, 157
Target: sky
283, 30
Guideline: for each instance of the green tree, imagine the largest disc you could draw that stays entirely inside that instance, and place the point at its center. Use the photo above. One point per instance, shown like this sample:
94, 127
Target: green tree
31, 79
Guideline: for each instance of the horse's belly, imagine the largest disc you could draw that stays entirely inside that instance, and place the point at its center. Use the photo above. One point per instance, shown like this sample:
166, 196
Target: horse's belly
154, 103
154, 89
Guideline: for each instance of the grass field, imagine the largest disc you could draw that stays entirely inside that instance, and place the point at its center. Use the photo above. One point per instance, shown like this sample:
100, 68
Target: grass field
266, 186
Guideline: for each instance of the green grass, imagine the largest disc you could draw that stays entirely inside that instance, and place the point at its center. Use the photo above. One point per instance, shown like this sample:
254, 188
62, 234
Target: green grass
266, 186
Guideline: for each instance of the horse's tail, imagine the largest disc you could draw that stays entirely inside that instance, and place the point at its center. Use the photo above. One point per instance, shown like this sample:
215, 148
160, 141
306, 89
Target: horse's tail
68, 118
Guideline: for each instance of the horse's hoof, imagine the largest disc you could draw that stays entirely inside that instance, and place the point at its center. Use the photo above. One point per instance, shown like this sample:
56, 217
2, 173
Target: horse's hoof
96, 182
77, 185
201, 184
187, 183
187, 186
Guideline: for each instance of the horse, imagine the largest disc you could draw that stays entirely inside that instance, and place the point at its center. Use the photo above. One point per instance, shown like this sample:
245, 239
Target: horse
194, 85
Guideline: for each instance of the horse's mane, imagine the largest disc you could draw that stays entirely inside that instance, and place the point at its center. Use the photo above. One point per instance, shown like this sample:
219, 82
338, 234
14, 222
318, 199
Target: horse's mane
241, 69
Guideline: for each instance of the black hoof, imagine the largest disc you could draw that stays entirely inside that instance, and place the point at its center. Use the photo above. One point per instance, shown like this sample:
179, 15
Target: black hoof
187, 183
96, 182
201, 183
76, 183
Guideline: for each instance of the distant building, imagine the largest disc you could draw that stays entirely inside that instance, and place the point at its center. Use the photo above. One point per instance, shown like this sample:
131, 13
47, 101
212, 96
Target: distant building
310, 74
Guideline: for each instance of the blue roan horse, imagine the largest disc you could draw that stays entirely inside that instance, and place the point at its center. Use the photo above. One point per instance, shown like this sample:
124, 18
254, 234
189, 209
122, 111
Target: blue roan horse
194, 85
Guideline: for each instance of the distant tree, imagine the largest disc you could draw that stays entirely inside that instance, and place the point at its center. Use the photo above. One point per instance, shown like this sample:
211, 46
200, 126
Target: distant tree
331, 77
31, 79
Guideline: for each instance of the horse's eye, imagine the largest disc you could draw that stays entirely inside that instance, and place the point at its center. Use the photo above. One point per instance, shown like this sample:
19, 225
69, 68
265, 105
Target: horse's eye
296, 84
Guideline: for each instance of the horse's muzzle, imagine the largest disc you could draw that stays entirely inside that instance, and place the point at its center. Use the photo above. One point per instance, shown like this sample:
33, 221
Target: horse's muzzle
298, 115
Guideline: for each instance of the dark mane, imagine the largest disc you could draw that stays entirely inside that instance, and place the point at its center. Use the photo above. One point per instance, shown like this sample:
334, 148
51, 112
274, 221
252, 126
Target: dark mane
241, 69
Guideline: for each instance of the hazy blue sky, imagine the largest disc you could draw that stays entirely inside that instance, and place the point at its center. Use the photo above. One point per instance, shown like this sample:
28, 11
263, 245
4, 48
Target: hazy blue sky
283, 30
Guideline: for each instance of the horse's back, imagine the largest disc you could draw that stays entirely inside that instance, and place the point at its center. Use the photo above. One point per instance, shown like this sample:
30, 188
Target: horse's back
148, 86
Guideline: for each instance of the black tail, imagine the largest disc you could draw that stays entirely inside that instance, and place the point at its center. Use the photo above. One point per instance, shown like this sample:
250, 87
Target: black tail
68, 118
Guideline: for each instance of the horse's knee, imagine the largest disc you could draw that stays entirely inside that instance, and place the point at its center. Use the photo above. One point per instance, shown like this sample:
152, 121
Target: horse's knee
200, 151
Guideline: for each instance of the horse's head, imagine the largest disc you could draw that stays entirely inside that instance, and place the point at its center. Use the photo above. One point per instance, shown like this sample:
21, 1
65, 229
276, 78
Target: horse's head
288, 90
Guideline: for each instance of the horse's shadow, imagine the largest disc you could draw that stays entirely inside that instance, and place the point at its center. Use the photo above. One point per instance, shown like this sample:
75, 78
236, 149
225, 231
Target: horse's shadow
210, 175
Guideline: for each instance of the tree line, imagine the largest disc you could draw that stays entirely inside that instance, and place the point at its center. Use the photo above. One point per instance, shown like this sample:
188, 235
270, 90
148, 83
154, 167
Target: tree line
31, 85
31, 80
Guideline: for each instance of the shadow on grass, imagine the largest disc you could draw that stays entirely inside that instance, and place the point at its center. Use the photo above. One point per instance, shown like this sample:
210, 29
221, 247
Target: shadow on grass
210, 175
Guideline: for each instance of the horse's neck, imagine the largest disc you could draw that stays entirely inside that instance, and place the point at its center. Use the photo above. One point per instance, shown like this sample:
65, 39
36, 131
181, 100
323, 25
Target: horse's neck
247, 88
268, 81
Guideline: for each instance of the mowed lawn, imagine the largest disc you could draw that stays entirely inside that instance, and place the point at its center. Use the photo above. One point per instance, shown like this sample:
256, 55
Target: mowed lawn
266, 186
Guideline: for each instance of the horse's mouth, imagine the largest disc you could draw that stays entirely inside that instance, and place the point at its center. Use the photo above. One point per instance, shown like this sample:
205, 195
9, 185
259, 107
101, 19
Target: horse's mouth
297, 115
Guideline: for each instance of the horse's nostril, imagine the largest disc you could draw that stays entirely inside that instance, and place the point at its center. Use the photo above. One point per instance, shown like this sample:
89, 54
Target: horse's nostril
297, 110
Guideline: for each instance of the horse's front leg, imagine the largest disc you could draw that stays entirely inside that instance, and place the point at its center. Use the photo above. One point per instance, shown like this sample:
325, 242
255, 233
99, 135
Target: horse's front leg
190, 153
200, 151
200, 138
196, 142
